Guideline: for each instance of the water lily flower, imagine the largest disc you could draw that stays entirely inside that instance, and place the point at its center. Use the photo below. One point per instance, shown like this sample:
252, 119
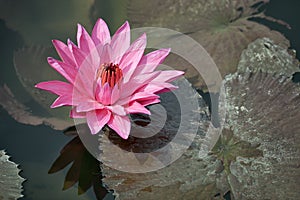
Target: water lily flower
108, 78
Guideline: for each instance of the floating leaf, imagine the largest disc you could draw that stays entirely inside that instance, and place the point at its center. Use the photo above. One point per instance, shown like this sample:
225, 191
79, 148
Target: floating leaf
189, 177
10, 181
23, 114
39, 21
263, 110
222, 27
263, 55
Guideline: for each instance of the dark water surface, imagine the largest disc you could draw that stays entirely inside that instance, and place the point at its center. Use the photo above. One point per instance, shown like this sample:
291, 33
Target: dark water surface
36, 147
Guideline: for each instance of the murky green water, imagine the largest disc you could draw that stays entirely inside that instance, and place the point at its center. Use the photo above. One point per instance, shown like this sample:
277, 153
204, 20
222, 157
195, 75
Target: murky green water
35, 23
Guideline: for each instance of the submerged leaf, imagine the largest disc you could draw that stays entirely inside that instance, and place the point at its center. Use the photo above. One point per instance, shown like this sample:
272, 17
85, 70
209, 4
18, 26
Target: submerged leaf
263, 110
10, 181
222, 27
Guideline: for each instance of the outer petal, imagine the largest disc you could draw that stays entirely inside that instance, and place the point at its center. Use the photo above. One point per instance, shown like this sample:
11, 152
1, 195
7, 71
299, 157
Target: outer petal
136, 107
64, 52
167, 76
120, 41
97, 119
66, 70
85, 42
121, 124
56, 87
149, 102
100, 33
149, 62
141, 96
64, 100
157, 87
132, 56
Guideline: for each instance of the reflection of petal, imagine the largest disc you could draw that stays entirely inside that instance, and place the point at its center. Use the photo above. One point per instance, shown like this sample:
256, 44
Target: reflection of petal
10, 181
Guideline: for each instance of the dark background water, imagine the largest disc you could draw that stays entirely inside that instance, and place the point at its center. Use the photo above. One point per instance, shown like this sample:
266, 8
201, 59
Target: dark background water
36, 147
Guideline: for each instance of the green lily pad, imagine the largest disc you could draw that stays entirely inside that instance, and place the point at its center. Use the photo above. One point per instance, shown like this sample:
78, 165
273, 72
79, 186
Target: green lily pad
10, 180
222, 27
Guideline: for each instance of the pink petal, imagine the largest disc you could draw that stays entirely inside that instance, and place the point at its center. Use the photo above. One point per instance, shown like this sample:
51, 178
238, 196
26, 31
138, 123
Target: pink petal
66, 70
149, 62
120, 41
106, 54
64, 100
75, 114
141, 96
149, 102
97, 119
105, 94
167, 76
64, 52
136, 107
56, 87
115, 94
100, 33
85, 42
157, 87
117, 109
88, 106
79, 55
120, 124
137, 82
132, 56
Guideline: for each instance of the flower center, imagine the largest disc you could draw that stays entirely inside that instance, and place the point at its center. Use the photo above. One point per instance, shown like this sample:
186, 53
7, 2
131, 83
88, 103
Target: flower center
109, 73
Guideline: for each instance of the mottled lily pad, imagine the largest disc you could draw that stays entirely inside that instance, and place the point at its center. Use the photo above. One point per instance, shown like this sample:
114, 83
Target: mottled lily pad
222, 27
263, 110
10, 181
264, 55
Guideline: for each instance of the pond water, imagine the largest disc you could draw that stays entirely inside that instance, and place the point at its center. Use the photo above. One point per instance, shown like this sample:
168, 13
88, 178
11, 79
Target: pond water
35, 148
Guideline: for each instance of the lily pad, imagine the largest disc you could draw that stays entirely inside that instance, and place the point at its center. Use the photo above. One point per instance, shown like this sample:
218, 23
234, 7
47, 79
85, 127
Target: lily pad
10, 181
23, 114
264, 55
223, 27
188, 177
262, 110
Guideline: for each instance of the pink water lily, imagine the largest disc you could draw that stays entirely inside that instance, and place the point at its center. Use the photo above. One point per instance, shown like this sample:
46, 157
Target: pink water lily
107, 77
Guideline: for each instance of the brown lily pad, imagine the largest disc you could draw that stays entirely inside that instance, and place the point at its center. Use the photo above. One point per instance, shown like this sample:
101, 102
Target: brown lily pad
262, 110
222, 27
